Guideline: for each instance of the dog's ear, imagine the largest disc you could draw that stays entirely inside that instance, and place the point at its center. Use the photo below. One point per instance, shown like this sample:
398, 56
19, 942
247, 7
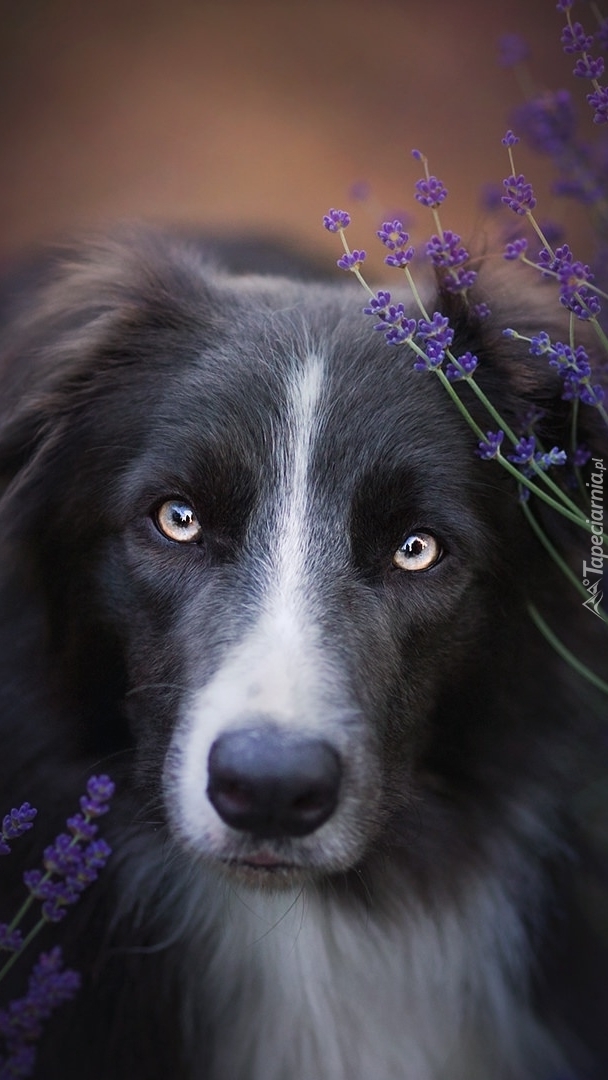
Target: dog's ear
77, 319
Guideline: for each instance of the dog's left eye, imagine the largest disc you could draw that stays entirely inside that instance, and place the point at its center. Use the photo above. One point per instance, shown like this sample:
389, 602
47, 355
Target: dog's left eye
178, 521
418, 552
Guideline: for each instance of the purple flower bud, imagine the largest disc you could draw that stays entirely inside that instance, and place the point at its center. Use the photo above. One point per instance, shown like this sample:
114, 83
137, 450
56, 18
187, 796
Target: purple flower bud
516, 249
523, 451
574, 39
400, 259
378, 303
446, 250
10, 940
401, 331
519, 194
351, 260
510, 139
490, 446
540, 344
588, 68
392, 235
599, 101
430, 192
335, 220
14, 824
553, 457
592, 395
462, 368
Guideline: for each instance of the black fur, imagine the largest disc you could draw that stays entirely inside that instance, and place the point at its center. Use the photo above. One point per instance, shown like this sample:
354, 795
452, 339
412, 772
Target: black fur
137, 370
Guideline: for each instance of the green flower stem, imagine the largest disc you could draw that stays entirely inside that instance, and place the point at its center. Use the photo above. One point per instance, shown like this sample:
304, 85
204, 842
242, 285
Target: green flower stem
416, 294
553, 273
565, 653
555, 555
509, 433
6, 967
576, 517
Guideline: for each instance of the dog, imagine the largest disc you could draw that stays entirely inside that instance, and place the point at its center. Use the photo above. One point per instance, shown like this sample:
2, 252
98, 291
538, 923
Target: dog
253, 568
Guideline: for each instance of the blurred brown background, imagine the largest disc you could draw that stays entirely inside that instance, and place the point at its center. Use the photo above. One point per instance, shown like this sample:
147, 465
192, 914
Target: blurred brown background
255, 113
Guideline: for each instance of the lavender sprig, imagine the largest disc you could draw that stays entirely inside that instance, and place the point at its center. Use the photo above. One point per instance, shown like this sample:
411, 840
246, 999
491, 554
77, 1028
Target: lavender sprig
71, 863
15, 824
21, 1023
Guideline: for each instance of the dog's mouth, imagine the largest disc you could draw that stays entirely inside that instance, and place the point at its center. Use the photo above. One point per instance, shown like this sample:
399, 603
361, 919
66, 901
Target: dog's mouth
264, 867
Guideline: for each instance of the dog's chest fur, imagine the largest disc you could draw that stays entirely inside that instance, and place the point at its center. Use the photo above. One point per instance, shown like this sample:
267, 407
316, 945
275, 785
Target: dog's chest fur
306, 988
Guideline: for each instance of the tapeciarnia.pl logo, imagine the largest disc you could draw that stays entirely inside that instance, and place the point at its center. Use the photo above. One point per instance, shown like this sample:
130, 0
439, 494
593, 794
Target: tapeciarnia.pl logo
594, 569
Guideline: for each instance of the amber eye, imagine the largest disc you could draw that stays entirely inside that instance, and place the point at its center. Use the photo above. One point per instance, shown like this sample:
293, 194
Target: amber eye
177, 521
418, 552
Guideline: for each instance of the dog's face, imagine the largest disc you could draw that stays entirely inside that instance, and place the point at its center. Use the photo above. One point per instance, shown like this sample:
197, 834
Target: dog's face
269, 552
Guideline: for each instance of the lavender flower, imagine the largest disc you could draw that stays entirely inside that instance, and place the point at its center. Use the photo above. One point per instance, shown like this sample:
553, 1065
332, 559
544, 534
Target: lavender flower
392, 235
401, 332
10, 940
378, 304
430, 192
588, 68
435, 337
352, 260
21, 1023
516, 249
490, 446
448, 255
591, 395
523, 451
599, 101
394, 323
553, 457
400, 259
446, 250
575, 39
100, 790
519, 194
510, 139
14, 824
335, 220
567, 360
462, 368
540, 344
71, 863
583, 303
459, 280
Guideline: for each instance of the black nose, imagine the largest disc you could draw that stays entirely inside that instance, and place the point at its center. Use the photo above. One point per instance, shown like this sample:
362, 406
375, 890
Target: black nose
271, 784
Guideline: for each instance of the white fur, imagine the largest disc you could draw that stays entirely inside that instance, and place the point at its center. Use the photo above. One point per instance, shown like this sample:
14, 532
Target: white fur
302, 987
279, 669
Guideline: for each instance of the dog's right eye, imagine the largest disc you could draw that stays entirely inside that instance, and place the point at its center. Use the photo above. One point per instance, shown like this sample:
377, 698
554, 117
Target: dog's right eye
177, 521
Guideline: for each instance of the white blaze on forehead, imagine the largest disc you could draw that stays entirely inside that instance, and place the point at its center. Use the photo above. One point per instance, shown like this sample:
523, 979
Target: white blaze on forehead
289, 558
278, 670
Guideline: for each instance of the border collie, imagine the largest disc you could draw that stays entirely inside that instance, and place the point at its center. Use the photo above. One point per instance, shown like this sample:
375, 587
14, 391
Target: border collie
252, 568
